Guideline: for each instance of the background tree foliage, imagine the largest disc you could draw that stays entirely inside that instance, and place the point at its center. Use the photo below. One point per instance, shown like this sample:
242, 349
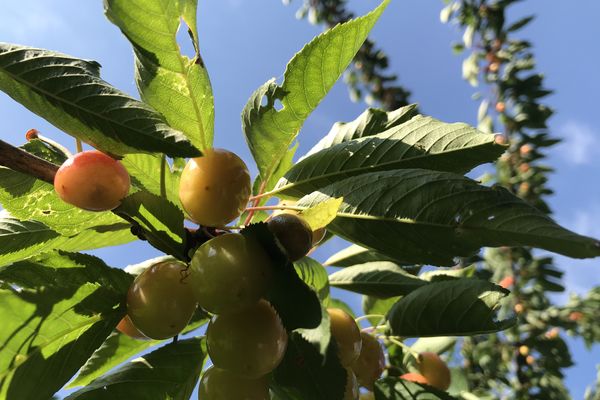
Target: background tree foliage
526, 361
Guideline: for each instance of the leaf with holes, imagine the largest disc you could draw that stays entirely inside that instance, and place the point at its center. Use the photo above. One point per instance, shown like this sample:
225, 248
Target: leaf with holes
171, 372
69, 93
22, 239
430, 217
175, 85
380, 279
159, 221
459, 307
422, 142
66, 306
371, 122
308, 77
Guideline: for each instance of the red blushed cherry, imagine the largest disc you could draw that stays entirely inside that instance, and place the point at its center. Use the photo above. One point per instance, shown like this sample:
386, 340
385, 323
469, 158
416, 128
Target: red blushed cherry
92, 180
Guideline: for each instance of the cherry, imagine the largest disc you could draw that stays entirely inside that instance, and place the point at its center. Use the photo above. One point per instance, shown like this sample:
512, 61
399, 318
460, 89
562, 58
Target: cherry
161, 302
434, 369
346, 334
219, 384
229, 272
214, 189
92, 180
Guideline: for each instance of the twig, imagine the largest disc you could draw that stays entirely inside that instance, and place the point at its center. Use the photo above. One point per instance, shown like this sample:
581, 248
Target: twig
21, 161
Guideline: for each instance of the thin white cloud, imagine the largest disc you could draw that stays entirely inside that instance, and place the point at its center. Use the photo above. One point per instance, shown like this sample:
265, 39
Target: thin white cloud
24, 20
579, 143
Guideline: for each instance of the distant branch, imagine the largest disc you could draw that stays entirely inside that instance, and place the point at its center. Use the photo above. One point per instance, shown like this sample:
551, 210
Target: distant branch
21, 161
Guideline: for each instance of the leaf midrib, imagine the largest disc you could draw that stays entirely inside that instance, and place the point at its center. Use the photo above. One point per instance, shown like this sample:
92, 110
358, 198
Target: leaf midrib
371, 168
75, 105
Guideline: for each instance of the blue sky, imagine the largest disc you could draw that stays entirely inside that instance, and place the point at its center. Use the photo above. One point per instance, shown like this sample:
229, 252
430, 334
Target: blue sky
244, 43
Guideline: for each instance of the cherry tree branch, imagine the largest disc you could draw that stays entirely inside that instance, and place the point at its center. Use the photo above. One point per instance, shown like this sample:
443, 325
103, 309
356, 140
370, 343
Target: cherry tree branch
21, 161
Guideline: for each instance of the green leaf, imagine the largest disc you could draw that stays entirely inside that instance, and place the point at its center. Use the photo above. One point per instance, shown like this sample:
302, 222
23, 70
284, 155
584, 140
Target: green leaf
69, 93
159, 221
117, 349
376, 306
371, 122
314, 275
27, 198
170, 372
428, 217
296, 303
308, 77
175, 85
457, 307
422, 142
308, 374
444, 273
393, 388
355, 254
380, 279
65, 307
22, 239
321, 214
144, 171
437, 345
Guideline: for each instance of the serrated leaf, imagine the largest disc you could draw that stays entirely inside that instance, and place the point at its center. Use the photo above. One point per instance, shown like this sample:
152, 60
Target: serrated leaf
171, 372
314, 275
118, 348
308, 77
399, 389
27, 198
22, 239
308, 374
355, 254
371, 122
69, 93
319, 336
422, 142
65, 307
296, 303
144, 171
380, 279
429, 217
457, 307
320, 215
175, 85
160, 222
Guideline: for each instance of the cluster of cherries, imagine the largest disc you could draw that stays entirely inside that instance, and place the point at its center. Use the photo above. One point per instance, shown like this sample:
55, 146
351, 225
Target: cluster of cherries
228, 276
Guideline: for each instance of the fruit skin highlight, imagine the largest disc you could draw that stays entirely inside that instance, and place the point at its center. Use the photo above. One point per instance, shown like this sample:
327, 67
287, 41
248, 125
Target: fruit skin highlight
160, 302
434, 369
215, 188
92, 180
370, 363
250, 343
346, 334
219, 384
229, 272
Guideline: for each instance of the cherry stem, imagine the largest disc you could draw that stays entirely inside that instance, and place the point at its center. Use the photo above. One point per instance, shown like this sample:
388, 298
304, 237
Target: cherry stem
21, 161
35, 134
362, 318
255, 202
78, 145
394, 339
